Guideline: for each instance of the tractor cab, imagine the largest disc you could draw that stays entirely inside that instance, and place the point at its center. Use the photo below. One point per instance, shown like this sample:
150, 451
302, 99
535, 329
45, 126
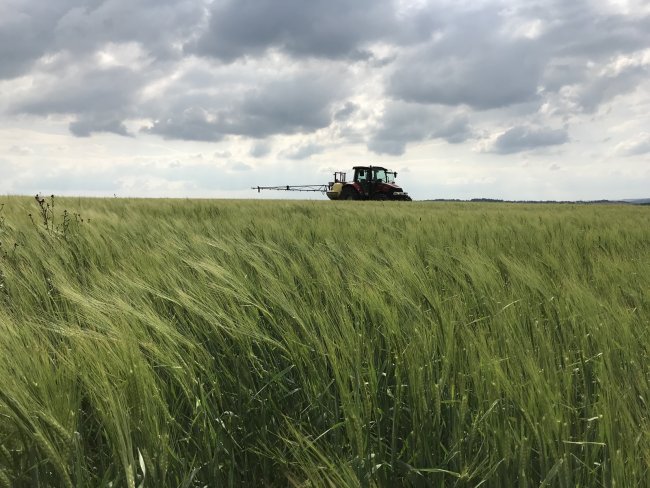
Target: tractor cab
374, 174
376, 183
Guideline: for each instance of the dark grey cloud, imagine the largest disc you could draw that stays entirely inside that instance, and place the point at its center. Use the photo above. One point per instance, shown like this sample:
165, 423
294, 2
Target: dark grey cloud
89, 90
469, 62
488, 57
27, 33
192, 124
591, 94
562, 72
402, 123
330, 29
483, 81
525, 138
346, 111
86, 126
100, 98
297, 104
31, 29
156, 24
581, 42
582, 30
586, 87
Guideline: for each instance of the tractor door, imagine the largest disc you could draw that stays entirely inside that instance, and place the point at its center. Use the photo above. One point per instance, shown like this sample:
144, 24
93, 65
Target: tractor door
362, 177
378, 180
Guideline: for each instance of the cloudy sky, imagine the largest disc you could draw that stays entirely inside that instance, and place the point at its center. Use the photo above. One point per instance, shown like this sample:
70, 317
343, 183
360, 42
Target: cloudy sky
530, 99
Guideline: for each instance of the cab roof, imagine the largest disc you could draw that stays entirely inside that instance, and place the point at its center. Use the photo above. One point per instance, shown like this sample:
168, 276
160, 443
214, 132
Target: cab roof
368, 167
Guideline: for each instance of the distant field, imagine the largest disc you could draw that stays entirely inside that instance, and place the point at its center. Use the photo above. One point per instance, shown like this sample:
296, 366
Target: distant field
186, 343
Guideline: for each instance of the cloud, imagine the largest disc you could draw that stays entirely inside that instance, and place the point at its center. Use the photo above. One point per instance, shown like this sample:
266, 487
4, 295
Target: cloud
526, 138
301, 103
584, 30
260, 149
483, 81
30, 29
26, 34
635, 146
101, 99
470, 61
600, 89
21, 150
586, 87
564, 72
85, 126
302, 151
489, 58
156, 24
333, 29
89, 90
131, 65
239, 166
192, 124
593, 54
402, 123
346, 111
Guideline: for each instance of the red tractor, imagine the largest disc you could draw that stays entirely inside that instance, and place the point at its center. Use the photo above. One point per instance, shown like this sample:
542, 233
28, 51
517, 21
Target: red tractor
369, 183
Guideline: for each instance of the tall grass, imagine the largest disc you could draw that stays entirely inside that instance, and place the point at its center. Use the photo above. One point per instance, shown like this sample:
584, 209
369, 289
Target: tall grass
221, 343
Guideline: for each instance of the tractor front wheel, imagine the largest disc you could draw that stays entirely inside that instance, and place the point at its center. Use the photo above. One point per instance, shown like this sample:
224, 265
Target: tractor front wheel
349, 193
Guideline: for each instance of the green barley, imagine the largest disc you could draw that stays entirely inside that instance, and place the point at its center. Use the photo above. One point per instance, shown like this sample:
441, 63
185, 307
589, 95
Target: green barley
247, 343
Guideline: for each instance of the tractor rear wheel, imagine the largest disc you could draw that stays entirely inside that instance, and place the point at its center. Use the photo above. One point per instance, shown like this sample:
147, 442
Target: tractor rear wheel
349, 193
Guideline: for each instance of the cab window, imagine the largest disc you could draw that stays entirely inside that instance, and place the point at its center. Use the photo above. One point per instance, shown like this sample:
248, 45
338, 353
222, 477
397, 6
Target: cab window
380, 175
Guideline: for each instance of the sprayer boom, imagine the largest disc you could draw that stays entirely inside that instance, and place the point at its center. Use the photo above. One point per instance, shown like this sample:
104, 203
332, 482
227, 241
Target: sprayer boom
320, 188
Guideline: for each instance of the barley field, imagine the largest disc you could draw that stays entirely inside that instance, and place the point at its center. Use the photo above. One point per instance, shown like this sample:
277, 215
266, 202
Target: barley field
192, 343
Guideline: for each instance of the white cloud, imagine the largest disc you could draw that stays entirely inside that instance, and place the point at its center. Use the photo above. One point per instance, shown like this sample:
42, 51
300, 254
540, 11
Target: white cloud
635, 146
302, 151
21, 150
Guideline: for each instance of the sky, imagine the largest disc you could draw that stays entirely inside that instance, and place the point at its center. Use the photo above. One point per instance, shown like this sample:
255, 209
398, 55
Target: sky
523, 100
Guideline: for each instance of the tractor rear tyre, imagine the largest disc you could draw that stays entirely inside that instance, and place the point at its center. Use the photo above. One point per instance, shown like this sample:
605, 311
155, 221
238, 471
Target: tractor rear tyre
349, 193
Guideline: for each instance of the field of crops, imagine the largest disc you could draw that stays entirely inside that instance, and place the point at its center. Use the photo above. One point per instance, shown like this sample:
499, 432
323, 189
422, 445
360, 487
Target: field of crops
244, 343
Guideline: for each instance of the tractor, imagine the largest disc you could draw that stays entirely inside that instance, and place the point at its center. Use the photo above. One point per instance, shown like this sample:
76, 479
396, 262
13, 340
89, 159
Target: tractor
369, 183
